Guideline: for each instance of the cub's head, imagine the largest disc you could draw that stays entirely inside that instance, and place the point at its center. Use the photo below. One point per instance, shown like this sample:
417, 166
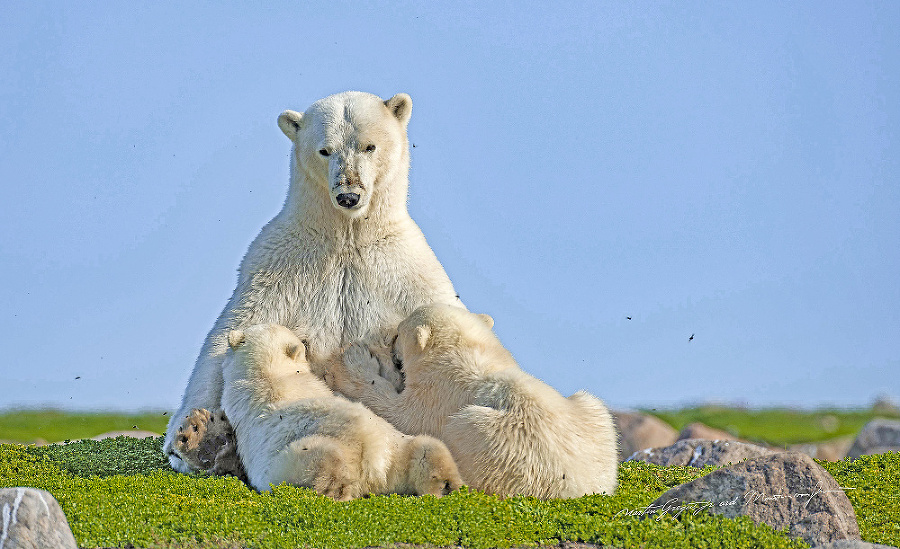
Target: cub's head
267, 344
349, 144
434, 333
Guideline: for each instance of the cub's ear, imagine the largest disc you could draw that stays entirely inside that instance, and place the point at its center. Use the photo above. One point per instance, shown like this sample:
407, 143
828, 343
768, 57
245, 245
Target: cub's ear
295, 351
487, 320
290, 123
423, 335
401, 107
235, 338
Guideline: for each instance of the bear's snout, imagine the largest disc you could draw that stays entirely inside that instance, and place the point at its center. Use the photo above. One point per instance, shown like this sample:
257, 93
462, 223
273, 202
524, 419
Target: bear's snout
347, 200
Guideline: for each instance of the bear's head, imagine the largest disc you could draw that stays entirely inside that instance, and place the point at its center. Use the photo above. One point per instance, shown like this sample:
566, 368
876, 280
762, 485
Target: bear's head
267, 345
444, 333
349, 145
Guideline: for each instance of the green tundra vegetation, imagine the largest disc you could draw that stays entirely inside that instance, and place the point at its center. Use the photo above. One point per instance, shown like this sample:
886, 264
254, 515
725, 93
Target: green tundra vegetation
121, 492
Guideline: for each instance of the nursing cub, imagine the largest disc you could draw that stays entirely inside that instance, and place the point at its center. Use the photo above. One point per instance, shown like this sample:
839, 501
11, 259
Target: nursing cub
509, 432
290, 428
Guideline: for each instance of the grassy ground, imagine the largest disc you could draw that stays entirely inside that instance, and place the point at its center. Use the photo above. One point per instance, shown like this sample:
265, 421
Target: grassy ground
121, 491
112, 502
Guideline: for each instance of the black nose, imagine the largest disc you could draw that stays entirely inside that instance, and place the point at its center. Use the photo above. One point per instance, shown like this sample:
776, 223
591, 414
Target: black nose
347, 200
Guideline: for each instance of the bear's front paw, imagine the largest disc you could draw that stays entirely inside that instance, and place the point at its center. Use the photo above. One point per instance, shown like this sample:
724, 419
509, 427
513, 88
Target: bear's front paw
360, 362
206, 442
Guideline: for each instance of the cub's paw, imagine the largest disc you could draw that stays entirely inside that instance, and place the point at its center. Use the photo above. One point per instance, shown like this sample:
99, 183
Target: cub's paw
334, 480
206, 442
389, 366
360, 362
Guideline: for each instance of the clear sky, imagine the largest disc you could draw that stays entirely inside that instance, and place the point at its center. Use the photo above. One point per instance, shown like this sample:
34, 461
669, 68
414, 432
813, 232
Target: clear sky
722, 170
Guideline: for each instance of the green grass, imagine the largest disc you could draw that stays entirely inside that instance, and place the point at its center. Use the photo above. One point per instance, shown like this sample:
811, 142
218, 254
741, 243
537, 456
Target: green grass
874, 483
121, 491
114, 506
774, 426
56, 425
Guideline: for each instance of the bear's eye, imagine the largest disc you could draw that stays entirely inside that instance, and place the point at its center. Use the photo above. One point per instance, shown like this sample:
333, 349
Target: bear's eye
370, 148
324, 152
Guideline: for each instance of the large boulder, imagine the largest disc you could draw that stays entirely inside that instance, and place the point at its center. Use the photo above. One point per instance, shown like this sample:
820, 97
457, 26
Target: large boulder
33, 519
876, 437
700, 453
638, 431
786, 490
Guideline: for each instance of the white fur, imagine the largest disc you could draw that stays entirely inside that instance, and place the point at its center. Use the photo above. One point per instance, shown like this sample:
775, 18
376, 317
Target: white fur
337, 274
509, 432
291, 428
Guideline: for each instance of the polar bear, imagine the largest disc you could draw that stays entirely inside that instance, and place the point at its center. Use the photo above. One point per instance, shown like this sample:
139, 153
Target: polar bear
342, 258
508, 431
291, 428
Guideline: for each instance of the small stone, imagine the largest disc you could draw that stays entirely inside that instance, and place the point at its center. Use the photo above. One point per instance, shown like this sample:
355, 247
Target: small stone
638, 431
130, 434
700, 430
876, 437
829, 450
33, 519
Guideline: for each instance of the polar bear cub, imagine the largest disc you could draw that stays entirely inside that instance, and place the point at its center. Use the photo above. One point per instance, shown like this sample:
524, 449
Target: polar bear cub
291, 428
509, 432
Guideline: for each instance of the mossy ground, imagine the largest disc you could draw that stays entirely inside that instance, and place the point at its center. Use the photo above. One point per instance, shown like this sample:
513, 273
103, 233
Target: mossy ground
111, 502
121, 492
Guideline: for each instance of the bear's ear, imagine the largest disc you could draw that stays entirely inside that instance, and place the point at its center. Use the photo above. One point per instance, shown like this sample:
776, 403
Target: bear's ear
295, 350
235, 338
487, 320
423, 335
289, 122
401, 107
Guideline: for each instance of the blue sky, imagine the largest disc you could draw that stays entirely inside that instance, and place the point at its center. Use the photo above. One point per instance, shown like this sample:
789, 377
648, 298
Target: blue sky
728, 170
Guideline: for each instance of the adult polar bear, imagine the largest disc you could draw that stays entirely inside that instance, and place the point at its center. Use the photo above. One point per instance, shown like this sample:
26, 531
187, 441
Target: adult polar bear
342, 260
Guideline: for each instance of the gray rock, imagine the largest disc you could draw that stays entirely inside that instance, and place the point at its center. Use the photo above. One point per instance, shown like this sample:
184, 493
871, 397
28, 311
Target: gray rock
852, 544
876, 437
700, 430
786, 490
32, 519
700, 453
638, 431
829, 450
